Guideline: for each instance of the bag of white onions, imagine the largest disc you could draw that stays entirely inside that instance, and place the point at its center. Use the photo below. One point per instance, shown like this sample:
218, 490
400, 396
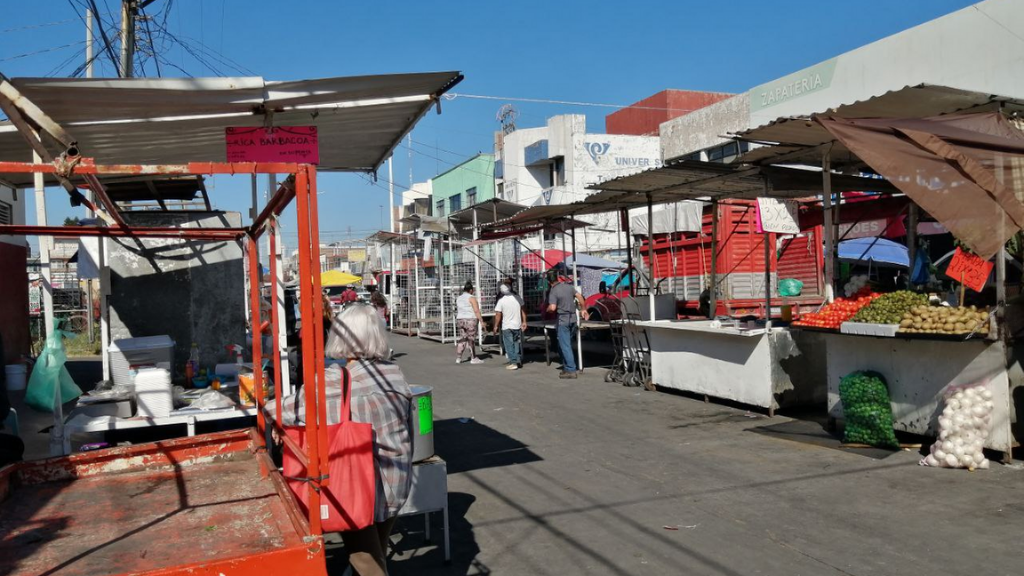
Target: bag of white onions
963, 428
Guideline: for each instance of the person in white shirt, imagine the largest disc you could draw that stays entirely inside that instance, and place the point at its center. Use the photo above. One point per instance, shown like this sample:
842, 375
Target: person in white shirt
511, 319
467, 319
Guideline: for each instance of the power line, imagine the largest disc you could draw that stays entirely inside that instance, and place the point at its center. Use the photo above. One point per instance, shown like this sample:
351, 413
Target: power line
43, 51
152, 46
103, 35
997, 23
34, 26
454, 95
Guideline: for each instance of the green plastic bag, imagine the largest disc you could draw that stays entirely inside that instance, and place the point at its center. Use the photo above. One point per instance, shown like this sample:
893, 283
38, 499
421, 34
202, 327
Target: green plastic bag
867, 410
790, 287
49, 372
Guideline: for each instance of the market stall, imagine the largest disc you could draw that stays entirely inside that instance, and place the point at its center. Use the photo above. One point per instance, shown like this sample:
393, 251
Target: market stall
276, 529
940, 336
754, 360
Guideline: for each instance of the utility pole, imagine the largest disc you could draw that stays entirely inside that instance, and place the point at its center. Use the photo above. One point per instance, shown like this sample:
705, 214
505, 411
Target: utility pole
88, 43
129, 12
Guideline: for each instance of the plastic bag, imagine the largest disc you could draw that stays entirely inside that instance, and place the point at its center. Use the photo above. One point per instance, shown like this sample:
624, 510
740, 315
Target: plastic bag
212, 400
49, 372
867, 410
964, 426
790, 287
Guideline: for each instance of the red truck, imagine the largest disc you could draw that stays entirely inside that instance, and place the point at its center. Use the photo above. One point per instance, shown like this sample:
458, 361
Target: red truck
682, 264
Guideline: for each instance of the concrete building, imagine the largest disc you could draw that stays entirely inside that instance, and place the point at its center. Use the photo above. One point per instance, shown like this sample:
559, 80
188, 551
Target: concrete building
464, 185
643, 118
554, 164
14, 326
973, 49
417, 201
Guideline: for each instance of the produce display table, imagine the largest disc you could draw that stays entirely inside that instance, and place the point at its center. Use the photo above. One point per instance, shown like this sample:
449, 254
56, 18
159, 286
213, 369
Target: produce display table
918, 371
755, 367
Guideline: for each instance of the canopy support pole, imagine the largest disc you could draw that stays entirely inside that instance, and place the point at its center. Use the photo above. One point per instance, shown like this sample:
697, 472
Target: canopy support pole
912, 217
828, 225
476, 274
767, 273
543, 258
576, 286
104, 310
624, 215
275, 320
392, 287
713, 282
650, 252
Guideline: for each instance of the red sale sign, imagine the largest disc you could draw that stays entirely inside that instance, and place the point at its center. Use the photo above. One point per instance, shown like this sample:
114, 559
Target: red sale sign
282, 144
969, 270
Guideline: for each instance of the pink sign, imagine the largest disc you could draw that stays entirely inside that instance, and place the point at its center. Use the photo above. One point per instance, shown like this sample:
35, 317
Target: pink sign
282, 144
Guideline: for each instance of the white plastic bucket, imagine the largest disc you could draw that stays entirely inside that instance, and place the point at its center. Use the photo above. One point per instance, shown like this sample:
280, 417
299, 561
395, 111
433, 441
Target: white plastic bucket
17, 376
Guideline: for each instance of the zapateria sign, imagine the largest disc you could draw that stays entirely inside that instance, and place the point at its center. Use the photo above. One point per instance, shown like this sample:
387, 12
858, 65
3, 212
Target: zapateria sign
813, 79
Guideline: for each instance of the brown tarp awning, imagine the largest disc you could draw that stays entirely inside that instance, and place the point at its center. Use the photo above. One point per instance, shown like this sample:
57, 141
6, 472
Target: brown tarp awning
966, 170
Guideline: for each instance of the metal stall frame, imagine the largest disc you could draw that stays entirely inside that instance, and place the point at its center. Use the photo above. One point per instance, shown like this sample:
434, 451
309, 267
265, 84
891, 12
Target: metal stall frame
301, 187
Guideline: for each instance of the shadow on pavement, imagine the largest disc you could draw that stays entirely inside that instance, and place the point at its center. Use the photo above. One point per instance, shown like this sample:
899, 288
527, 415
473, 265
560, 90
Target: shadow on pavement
468, 445
413, 554
815, 434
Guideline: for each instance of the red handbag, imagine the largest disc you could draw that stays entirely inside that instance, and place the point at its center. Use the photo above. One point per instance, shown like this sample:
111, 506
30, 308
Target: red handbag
348, 495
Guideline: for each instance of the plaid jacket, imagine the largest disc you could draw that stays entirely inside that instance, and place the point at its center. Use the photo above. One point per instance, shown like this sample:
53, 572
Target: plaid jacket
381, 397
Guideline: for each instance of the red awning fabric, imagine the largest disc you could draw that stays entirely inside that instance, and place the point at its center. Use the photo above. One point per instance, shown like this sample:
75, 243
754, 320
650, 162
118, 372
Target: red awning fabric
966, 170
532, 260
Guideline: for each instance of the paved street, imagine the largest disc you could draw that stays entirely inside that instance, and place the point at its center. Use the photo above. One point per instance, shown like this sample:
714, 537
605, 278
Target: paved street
551, 476
584, 477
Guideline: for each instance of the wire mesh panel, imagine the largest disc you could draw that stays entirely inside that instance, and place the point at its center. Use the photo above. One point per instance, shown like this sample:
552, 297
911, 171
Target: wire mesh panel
458, 266
408, 255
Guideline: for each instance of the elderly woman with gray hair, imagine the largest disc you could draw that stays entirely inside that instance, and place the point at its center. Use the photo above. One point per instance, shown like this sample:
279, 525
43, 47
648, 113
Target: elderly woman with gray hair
380, 397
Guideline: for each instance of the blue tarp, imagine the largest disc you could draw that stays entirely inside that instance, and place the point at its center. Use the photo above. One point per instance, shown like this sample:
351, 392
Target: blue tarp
877, 250
588, 261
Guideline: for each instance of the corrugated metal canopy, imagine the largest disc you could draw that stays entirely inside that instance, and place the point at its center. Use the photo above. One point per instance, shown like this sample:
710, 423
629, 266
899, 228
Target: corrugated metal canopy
487, 212
359, 119
693, 180
792, 134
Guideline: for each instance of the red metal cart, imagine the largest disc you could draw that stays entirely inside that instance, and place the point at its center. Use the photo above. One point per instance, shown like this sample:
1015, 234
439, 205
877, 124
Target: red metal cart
213, 504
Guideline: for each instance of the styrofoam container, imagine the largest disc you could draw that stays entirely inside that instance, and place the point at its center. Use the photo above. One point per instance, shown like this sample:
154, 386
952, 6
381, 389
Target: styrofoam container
17, 376
867, 329
145, 351
153, 392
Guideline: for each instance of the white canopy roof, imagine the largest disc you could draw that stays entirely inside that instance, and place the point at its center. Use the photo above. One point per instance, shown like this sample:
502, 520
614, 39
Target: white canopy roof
359, 119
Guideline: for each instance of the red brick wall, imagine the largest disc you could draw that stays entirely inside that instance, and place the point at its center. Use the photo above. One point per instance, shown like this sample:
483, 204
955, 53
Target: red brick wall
14, 301
644, 117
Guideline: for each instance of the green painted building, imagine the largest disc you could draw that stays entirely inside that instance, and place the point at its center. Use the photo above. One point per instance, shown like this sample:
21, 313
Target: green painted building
464, 185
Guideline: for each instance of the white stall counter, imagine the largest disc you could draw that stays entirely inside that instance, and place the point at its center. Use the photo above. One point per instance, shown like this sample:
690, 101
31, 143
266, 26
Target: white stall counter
750, 366
918, 373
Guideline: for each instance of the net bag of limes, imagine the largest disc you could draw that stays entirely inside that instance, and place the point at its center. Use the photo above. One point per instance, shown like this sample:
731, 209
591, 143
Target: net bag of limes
867, 411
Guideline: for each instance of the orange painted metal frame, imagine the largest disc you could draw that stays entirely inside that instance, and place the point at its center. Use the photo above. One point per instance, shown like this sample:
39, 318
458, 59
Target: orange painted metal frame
300, 186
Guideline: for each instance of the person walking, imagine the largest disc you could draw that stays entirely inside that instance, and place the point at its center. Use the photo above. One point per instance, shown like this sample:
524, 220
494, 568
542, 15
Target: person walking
382, 398
510, 318
563, 300
467, 320
380, 305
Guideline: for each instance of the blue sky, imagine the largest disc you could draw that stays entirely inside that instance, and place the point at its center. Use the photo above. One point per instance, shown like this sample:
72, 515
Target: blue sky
604, 52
